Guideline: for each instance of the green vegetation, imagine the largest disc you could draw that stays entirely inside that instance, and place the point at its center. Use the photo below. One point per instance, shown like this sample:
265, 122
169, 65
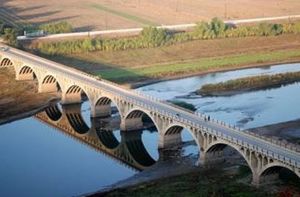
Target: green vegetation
200, 65
183, 105
9, 33
123, 14
249, 83
210, 183
56, 28
153, 37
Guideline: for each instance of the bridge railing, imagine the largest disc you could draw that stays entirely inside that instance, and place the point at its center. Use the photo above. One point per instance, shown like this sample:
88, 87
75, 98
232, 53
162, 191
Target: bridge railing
281, 143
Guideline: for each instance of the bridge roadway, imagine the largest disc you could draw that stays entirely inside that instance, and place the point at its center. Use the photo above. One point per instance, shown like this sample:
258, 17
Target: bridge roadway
157, 105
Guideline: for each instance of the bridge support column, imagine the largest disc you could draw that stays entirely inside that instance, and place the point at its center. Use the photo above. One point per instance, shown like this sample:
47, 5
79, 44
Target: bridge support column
167, 141
48, 88
211, 158
101, 111
71, 99
25, 77
130, 124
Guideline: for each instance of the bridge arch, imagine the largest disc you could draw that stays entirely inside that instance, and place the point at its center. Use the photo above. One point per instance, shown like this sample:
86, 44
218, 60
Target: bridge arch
6, 62
54, 112
49, 84
136, 148
74, 94
73, 112
211, 153
105, 106
274, 168
135, 118
26, 73
172, 135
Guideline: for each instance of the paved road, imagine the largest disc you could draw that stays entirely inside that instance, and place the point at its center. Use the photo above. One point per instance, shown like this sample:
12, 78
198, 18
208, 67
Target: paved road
135, 31
161, 107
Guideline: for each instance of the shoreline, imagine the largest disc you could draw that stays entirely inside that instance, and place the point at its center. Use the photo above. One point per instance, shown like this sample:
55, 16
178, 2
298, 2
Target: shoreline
29, 113
135, 85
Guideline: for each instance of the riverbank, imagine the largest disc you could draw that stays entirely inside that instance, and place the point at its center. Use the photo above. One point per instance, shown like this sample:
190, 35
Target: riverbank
19, 99
139, 67
289, 131
240, 85
214, 181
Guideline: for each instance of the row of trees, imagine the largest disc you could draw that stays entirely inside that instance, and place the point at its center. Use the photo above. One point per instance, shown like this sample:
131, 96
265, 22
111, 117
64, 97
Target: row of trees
154, 37
50, 28
8, 33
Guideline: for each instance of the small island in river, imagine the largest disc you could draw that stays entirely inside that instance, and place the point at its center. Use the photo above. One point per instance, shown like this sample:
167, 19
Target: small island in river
235, 86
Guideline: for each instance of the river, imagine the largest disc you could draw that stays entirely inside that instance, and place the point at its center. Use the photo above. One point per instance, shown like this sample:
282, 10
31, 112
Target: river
39, 159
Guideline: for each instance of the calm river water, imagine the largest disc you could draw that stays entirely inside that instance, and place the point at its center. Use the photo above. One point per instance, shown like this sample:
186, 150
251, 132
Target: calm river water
38, 160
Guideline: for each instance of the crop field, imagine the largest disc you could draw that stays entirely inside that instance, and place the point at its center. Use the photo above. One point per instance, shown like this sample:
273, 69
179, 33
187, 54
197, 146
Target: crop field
114, 14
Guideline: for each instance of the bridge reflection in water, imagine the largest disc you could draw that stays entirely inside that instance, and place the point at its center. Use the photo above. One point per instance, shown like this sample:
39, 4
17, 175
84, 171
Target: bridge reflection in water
101, 135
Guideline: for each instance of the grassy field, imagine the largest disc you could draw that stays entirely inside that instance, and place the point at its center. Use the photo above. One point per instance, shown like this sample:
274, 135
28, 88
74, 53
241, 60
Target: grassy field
186, 59
115, 14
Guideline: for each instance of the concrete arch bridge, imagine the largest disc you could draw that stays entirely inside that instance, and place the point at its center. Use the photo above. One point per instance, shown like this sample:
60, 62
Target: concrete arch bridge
264, 156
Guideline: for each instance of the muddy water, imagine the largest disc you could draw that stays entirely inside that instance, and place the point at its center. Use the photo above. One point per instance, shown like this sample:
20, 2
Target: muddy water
40, 160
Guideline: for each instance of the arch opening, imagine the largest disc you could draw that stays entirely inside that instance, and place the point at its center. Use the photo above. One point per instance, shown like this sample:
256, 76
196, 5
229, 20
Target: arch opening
142, 125
50, 84
77, 108
73, 95
234, 156
26, 73
139, 145
107, 122
54, 112
276, 173
5, 62
179, 142
105, 107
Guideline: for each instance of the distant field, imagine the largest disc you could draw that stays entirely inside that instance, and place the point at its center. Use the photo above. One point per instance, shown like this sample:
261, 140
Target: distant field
115, 14
190, 58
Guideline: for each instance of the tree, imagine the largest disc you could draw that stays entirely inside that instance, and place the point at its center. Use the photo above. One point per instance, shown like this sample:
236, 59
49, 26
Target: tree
10, 35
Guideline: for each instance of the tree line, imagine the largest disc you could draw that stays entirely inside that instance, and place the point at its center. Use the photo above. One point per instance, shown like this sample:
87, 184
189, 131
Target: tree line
155, 37
9, 33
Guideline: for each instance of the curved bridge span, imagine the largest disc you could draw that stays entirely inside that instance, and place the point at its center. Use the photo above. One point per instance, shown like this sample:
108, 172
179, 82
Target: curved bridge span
264, 156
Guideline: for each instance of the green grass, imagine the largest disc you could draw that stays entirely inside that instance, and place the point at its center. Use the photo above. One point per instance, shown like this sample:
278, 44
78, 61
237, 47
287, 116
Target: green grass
200, 65
124, 15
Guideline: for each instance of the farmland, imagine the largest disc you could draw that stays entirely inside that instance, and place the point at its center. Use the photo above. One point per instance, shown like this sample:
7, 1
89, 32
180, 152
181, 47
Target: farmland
116, 14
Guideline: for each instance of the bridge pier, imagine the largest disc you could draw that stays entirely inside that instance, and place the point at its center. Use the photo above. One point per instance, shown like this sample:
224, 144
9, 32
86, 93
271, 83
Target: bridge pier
25, 76
131, 124
101, 111
167, 141
48, 88
68, 99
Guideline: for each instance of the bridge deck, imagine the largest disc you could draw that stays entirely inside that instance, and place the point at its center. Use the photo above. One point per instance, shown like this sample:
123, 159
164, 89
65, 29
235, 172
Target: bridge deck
158, 106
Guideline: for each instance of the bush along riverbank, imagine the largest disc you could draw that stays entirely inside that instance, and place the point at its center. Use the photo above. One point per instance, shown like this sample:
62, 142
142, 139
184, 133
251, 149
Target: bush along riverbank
235, 86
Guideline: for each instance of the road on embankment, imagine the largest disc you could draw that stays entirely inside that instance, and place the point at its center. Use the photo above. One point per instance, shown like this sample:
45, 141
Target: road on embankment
136, 31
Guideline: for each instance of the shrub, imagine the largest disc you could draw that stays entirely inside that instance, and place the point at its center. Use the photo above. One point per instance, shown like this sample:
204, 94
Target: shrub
55, 28
10, 36
153, 37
